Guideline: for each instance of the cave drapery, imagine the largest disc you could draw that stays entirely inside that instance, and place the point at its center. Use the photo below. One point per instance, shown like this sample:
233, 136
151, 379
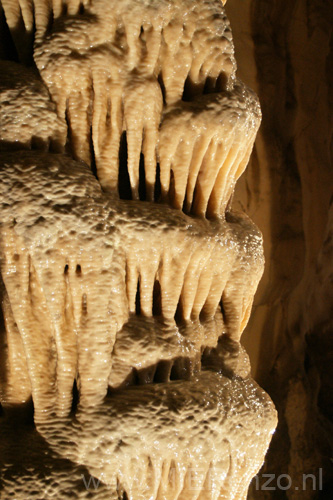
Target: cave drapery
284, 54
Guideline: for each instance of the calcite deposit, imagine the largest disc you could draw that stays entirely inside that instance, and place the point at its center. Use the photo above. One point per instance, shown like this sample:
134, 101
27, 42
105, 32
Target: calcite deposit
127, 279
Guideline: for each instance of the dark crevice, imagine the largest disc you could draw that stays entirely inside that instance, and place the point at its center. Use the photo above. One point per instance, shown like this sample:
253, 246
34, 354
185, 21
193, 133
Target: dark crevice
69, 148
157, 188
92, 155
142, 179
190, 210
146, 375
179, 313
76, 397
204, 315
181, 369
78, 270
161, 83
210, 86
174, 374
55, 146
22, 39
3, 340
162, 372
157, 301
221, 82
135, 377
7, 47
223, 312
50, 21
124, 185
137, 300
184, 207
307, 362
38, 143
66, 269
172, 190
189, 90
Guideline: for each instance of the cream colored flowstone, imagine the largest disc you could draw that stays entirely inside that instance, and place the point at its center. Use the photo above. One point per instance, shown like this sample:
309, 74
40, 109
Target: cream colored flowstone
71, 277
135, 308
68, 293
120, 68
200, 439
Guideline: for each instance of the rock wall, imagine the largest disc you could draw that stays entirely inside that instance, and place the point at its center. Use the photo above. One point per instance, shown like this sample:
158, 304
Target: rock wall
283, 51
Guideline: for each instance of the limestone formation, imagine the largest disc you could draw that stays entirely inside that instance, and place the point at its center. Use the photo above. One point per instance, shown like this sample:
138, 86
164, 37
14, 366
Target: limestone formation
286, 54
127, 279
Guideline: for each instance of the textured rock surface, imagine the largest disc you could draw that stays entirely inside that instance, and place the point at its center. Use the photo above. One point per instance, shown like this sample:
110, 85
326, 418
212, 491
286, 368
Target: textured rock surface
198, 444
284, 50
28, 117
122, 79
71, 276
122, 319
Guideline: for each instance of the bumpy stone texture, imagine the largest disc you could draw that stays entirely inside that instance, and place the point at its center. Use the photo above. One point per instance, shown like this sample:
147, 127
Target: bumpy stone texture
109, 67
198, 444
119, 72
202, 144
286, 55
123, 318
71, 277
28, 117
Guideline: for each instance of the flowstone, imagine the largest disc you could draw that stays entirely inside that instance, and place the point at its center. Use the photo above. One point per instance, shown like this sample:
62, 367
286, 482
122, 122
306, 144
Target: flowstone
127, 279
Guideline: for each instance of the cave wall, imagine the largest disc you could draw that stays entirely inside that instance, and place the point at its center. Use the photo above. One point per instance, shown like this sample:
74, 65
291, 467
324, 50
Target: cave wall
284, 53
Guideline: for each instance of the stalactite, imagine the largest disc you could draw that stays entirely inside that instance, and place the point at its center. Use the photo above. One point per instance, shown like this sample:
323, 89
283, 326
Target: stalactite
127, 277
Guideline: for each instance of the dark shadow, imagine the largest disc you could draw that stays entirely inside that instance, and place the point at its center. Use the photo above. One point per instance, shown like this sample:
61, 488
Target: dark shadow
137, 300
142, 179
161, 83
26, 455
210, 86
7, 47
157, 188
157, 300
75, 397
124, 185
92, 155
162, 372
3, 341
